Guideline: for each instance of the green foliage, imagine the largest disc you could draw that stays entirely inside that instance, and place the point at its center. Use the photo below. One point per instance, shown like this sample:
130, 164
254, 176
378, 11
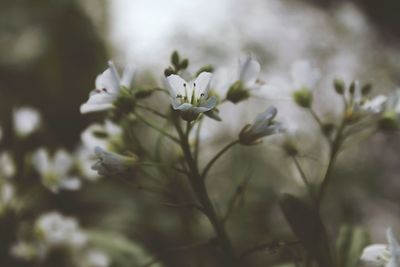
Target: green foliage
308, 227
349, 245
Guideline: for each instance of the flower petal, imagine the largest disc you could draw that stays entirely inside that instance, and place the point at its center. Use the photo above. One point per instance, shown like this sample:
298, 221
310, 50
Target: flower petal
201, 85
127, 76
41, 161
177, 86
109, 79
304, 75
265, 116
62, 162
249, 70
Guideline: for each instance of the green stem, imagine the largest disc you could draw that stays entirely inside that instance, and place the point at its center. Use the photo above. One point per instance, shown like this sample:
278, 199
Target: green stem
155, 164
304, 178
173, 138
335, 147
216, 157
200, 191
155, 112
316, 117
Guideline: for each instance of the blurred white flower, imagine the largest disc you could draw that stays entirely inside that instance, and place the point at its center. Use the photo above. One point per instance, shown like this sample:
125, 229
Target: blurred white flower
362, 105
100, 135
7, 164
304, 75
109, 163
24, 250
7, 194
54, 229
247, 79
97, 258
108, 85
84, 161
381, 255
264, 125
54, 171
249, 71
191, 98
26, 121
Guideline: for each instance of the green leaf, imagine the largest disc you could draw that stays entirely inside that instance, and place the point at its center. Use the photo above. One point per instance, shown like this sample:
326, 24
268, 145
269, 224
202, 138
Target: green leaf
175, 59
308, 227
350, 244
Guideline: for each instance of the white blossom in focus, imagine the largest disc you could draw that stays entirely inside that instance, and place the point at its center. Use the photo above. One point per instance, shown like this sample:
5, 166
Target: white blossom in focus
191, 98
108, 85
55, 171
26, 121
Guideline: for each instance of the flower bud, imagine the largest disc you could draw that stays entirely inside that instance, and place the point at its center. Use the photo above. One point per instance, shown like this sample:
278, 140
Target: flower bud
264, 125
366, 89
111, 163
237, 92
339, 86
303, 97
388, 122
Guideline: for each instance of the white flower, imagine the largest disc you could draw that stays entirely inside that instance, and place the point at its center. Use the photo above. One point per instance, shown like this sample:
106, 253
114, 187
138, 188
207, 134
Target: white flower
108, 85
54, 171
264, 125
26, 121
111, 163
362, 105
90, 136
54, 229
7, 169
24, 250
304, 75
191, 98
382, 255
249, 71
247, 79
97, 258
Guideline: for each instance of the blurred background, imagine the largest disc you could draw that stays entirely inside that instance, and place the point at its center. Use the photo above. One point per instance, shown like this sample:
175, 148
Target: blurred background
52, 50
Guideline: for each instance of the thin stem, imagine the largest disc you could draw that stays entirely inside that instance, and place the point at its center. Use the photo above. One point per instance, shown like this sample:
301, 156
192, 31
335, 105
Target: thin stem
173, 138
335, 147
156, 164
197, 141
155, 112
304, 178
216, 157
272, 246
241, 188
316, 117
184, 206
201, 193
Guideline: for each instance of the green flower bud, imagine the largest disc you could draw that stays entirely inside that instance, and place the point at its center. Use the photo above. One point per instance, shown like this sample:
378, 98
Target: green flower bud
303, 97
339, 86
169, 71
366, 89
352, 87
206, 68
388, 122
237, 92
184, 64
290, 148
175, 58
